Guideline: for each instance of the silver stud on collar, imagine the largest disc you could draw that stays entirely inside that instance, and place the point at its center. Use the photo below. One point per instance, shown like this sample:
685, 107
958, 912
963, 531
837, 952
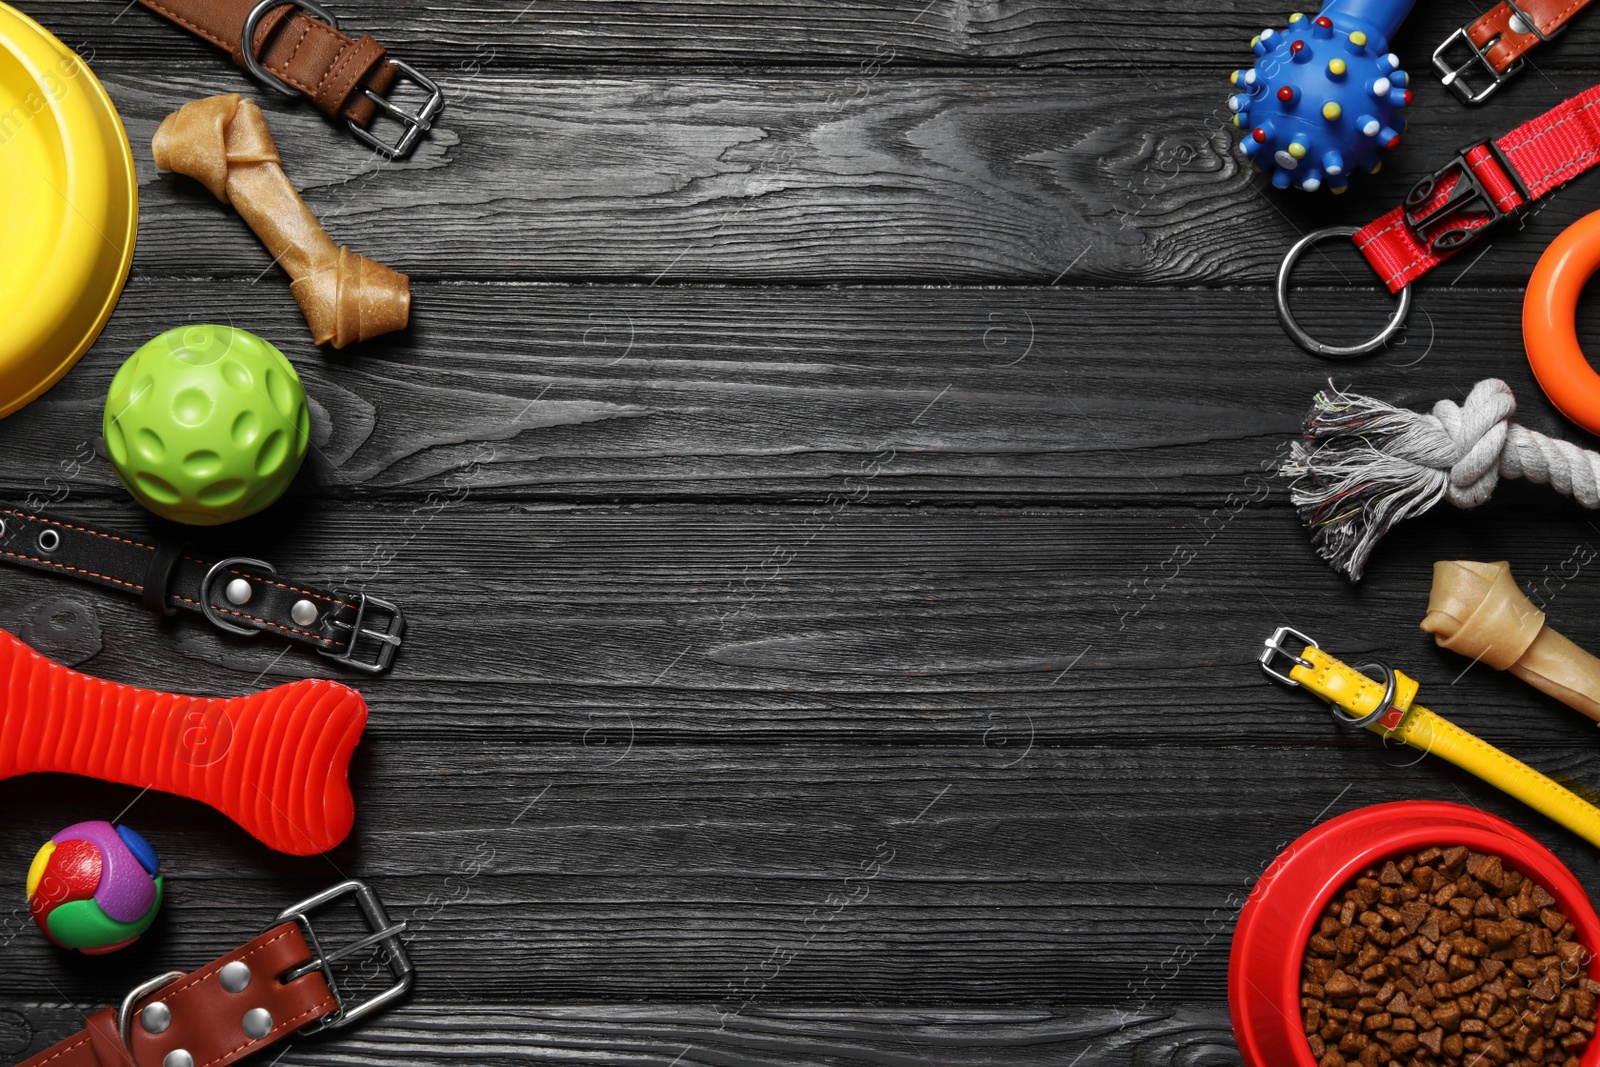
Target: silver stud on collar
257, 1024
234, 976
304, 613
155, 1018
238, 592
178, 1057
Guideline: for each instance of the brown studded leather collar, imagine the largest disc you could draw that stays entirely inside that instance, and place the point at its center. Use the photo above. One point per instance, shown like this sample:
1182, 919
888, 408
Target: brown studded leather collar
279, 984
1496, 42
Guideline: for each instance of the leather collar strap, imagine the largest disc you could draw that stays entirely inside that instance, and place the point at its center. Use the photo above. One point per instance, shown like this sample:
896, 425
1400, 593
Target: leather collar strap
1401, 719
1499, 39
297, 44
212, 1025
237, 595
1486, 184
279, 984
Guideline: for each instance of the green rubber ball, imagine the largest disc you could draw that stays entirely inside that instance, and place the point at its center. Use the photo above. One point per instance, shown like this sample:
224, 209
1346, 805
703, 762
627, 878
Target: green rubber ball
206, 424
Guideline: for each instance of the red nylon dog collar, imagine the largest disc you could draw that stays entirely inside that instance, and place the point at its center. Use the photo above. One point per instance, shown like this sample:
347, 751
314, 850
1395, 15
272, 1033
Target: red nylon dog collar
1486, 184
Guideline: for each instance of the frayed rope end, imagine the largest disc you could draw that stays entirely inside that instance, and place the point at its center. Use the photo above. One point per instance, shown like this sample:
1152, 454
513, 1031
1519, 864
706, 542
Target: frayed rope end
1352, 478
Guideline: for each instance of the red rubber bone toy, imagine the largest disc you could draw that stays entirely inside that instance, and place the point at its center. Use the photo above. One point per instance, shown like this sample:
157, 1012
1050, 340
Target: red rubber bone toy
274, 762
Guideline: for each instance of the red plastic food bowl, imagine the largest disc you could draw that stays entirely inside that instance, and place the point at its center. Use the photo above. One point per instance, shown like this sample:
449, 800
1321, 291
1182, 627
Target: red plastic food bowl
1269, 942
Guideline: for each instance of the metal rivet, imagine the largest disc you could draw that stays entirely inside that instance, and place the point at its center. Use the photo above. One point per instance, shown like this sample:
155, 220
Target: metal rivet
234, 976
238, 592
304, 613
155, 1018
49, 541
178, 1057
257, 1023
1518, 24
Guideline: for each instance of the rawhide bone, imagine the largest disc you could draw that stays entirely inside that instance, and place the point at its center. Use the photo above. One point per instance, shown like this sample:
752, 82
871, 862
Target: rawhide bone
274, 762
223, 143
1477, 610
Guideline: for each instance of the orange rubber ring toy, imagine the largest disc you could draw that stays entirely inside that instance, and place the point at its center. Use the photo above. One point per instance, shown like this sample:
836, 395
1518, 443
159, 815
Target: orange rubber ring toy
1550, 322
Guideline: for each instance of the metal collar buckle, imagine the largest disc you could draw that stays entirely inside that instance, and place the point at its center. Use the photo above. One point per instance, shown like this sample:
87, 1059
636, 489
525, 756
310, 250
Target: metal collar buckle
1276, 648
1451, 75
416, 123
388, 636
1466, 194
384, 933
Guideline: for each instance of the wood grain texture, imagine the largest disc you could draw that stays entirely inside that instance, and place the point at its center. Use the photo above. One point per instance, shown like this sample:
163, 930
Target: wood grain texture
664, 1037
820, 179
1146, 39
899, 394
829, 480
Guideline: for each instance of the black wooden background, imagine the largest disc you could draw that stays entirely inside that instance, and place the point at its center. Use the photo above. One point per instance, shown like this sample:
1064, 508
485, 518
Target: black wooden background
824, 479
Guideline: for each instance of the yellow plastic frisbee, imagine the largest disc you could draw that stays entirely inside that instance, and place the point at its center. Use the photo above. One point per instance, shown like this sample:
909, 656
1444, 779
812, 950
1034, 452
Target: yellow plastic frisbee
69, 207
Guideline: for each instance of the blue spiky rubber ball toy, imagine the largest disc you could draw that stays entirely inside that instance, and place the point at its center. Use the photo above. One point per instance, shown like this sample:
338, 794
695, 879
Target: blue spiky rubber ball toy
1325, 97
95, 887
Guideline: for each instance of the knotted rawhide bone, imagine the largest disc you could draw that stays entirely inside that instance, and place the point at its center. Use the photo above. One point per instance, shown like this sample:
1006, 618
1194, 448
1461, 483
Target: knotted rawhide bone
274, 762
1477, 610
1365, 465
222, 142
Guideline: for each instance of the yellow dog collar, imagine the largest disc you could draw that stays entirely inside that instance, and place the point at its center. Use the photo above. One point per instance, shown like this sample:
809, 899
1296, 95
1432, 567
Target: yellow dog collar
1387, 708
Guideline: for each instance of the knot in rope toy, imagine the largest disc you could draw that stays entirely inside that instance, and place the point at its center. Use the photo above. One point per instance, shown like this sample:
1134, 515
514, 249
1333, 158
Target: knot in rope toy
1365, 465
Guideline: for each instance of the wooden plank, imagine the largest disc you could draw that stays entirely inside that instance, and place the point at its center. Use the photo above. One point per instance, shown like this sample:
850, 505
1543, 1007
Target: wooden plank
996, 628
869, 394
903, 876
818, 179
1142, 40
666, 1036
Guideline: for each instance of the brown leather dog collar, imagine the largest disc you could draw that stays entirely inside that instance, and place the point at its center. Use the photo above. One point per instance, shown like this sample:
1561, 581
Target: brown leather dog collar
1497, 41
279, 984
296, 47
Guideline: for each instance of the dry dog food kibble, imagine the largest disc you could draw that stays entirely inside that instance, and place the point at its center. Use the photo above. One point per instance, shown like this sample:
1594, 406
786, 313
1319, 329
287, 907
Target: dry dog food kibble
1445, 957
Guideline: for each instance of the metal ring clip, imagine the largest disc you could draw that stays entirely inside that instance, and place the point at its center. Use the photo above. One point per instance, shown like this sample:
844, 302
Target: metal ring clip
1384, 704
1304, 339
247, 36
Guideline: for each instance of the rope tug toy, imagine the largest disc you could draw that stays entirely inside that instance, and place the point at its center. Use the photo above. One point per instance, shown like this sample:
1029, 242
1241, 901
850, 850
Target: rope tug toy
1366, 465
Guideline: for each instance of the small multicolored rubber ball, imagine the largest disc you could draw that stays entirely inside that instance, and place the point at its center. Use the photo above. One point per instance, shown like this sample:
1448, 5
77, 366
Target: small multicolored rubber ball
95, 887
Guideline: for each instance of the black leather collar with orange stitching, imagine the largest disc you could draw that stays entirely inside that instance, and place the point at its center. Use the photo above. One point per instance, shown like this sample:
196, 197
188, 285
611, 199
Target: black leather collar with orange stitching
237, 595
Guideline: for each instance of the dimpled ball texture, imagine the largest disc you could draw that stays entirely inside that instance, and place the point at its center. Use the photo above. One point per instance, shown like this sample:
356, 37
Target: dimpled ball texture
95, 887
206, 424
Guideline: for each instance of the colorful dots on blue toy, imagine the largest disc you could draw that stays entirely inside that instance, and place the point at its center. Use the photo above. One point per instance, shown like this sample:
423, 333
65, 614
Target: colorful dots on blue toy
1325, 96
95, 887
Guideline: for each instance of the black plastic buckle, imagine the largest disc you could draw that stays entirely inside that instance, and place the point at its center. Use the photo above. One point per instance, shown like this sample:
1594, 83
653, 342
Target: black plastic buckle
384, 933
387, 635
416, 123
1466, 194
